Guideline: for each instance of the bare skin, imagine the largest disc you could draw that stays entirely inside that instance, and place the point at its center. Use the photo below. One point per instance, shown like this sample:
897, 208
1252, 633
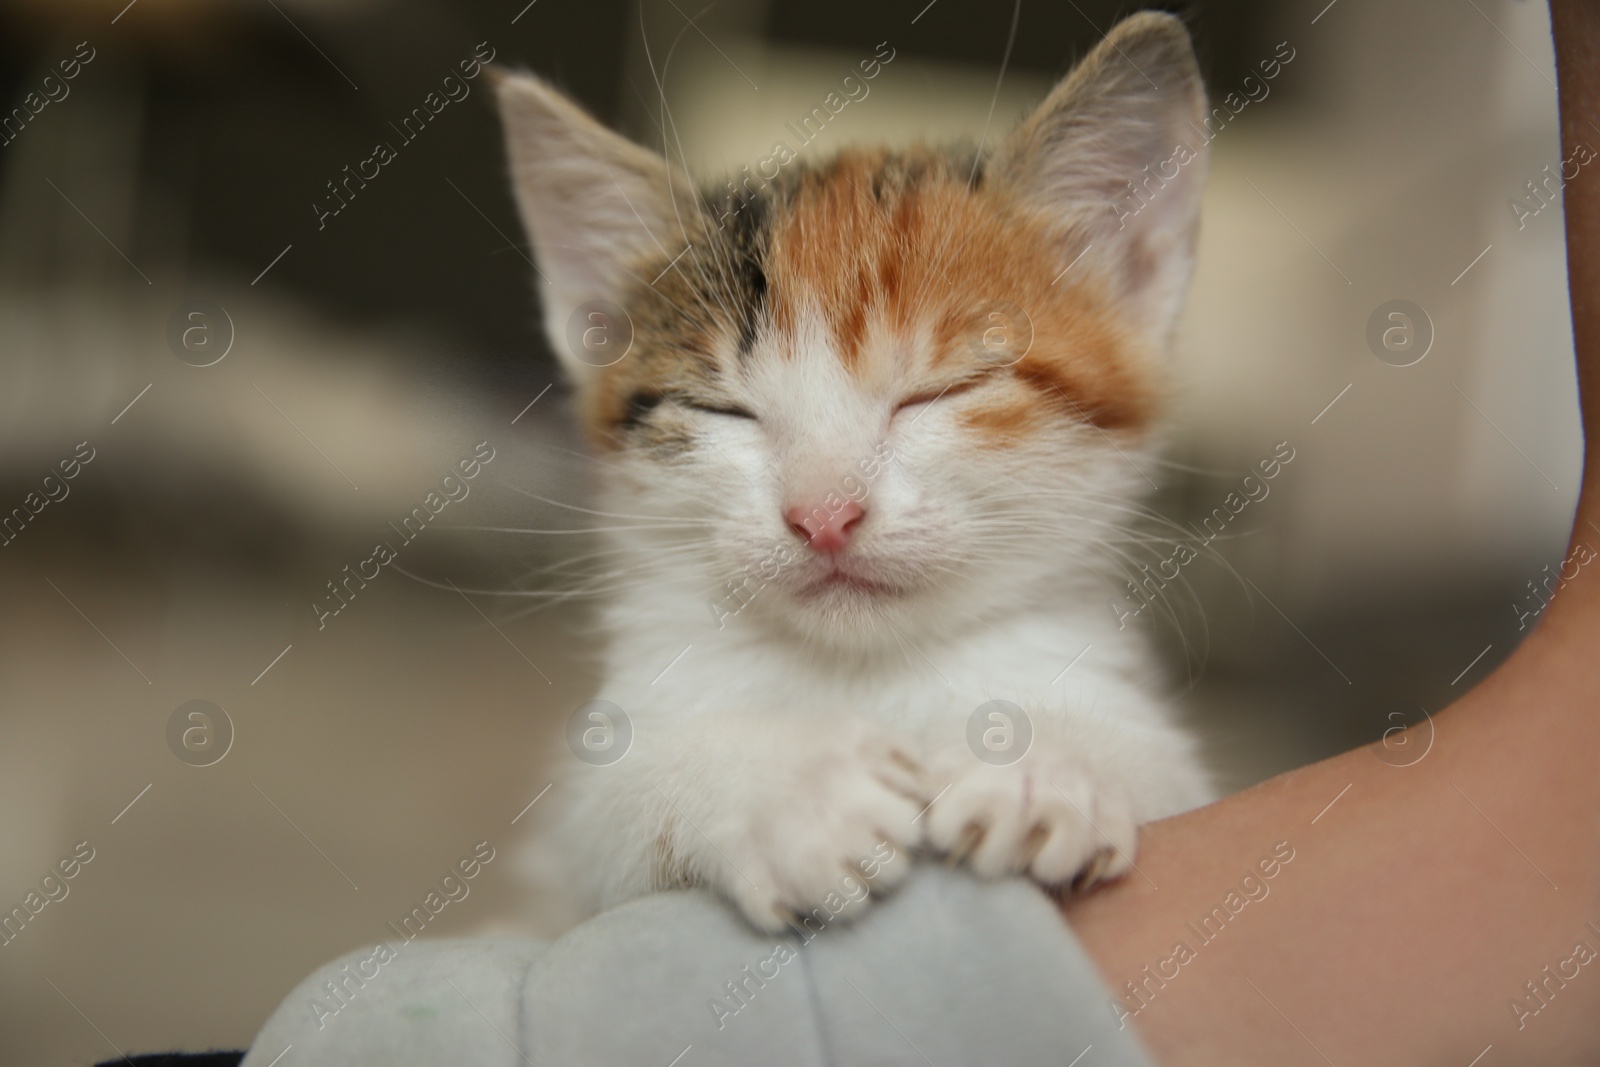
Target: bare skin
1406, 922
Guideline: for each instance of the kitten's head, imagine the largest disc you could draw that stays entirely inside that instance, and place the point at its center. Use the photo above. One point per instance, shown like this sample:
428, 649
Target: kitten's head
885, 394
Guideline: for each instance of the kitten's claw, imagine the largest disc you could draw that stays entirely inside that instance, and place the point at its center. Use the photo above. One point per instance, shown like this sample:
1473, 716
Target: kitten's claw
1107, 865
1033, 844
971, 837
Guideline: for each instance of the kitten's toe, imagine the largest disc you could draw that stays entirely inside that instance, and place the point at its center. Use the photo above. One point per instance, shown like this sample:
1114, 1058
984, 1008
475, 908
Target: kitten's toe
1004, 847
753, 891
1093, 837
1068, 847
979, 822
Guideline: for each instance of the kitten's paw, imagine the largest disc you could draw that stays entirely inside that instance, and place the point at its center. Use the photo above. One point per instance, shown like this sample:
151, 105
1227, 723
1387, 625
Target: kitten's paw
1043, 815
829, 820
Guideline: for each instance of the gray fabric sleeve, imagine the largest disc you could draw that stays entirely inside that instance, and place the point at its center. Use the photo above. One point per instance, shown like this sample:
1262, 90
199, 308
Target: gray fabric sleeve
949, 971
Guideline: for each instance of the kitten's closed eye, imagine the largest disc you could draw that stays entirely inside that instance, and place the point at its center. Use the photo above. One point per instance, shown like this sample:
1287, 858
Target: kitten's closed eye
721, 409
640, 404
928, 396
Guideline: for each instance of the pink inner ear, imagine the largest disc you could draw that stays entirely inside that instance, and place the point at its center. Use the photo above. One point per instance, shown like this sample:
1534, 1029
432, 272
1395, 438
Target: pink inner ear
593, 203
1101, 159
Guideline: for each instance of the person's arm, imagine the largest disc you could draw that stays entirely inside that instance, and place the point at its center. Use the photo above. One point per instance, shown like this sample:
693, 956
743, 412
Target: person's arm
1416, 909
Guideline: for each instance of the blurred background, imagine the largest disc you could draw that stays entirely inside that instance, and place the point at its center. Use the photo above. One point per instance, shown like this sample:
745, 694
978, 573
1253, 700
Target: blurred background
164, 159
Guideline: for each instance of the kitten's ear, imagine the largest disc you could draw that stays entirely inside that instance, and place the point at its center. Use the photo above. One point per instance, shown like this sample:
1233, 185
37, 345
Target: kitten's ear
1115, 160
592, 201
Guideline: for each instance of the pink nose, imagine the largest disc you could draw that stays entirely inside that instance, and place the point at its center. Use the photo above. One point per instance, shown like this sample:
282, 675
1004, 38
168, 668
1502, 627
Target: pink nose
823, 530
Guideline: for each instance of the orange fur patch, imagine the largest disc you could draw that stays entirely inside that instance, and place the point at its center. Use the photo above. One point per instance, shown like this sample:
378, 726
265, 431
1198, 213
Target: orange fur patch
924, 260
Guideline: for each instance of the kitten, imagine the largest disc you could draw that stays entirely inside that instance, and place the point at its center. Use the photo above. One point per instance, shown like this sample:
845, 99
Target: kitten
868, 433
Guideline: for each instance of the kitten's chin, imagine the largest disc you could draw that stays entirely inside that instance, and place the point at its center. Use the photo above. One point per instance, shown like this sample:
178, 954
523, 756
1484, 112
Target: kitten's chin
850, 609
845, 588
